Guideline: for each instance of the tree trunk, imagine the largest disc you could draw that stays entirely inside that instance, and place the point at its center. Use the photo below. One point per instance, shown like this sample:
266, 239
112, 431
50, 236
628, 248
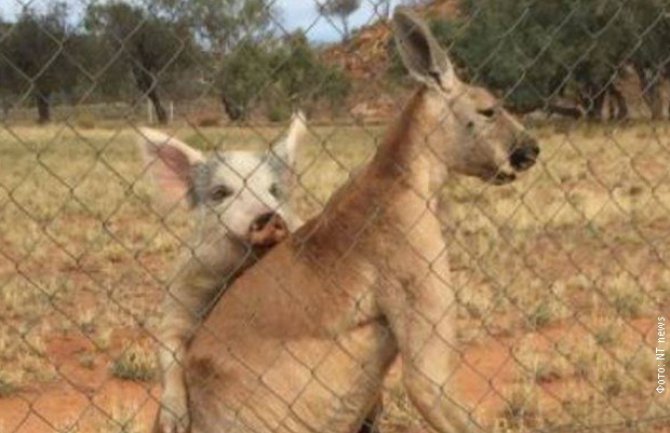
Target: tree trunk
620, 103
161, 114
147, 85
383, 9
651, 90
43, 107
5, 108
572, 112
598, 104
592, 98
345, 28
652, 95
232, 110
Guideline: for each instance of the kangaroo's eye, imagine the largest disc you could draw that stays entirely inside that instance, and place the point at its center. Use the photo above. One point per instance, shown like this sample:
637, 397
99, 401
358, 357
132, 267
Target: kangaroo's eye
275, 190
487, 112
220, 193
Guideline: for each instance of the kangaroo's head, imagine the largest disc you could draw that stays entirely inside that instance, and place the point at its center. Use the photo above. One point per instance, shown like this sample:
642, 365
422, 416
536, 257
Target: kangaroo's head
466, 126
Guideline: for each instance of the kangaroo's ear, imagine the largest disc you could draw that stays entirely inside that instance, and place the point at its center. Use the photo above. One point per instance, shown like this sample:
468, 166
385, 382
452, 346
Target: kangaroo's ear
420, 52
170, 162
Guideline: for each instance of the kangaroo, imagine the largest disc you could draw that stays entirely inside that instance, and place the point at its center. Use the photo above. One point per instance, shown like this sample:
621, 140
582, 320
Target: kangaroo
301, 342
238, 198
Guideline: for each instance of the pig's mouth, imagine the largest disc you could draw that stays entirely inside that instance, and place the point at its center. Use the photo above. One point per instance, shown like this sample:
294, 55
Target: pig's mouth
266, 232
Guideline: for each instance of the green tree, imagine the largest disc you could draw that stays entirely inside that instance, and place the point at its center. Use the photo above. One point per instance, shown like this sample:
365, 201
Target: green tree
648, 24
233, 35
36, 57
279, 74
222, 24
303, 78
151, 48
536, 52
341, 9
245, 72
5, 73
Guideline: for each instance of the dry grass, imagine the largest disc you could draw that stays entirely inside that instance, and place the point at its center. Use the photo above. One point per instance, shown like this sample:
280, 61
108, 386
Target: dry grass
560, 275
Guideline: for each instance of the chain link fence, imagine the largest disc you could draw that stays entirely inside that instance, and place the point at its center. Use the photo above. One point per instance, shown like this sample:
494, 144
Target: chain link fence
561, 278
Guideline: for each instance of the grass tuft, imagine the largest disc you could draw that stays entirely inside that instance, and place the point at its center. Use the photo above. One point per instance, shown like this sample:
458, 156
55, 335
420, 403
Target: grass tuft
137, 364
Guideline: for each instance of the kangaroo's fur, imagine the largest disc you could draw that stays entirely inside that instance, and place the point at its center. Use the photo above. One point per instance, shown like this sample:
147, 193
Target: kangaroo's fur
301, 342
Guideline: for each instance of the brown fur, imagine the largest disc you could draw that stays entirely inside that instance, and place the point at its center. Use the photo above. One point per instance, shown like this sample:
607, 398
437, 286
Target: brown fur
302, 341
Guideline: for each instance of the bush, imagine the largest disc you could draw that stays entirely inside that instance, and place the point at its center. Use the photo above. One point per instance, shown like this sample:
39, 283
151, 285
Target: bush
535, 52
244, 73
278, 76
304, 78
136, 363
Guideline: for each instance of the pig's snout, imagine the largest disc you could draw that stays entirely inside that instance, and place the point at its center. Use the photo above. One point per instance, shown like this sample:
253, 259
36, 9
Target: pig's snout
267, 230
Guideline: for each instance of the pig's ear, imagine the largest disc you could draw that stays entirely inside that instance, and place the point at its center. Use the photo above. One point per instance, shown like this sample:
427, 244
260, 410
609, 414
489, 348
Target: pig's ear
170, 162
283, 153
287, 147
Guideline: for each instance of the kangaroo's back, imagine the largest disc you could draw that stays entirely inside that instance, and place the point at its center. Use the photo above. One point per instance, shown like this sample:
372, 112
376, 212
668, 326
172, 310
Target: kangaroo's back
302, 341
271, 356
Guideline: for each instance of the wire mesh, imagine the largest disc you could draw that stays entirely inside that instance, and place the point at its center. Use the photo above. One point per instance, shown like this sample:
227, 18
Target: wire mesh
120, 242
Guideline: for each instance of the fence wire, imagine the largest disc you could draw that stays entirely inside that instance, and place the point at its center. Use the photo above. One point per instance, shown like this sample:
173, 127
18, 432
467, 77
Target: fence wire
152, 152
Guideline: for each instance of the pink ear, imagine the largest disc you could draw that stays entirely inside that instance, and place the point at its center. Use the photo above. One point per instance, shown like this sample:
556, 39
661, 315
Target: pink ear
169, 161
173, 172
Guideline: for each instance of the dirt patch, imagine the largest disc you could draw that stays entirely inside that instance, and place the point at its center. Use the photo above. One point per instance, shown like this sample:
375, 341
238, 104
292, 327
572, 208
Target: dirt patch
84, 396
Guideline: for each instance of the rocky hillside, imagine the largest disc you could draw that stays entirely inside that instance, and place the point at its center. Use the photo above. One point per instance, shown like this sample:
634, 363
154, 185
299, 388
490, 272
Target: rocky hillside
366, 58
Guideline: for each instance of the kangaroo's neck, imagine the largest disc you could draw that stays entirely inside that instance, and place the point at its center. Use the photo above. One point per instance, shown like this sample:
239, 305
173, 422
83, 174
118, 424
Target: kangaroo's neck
405, 154
388, 196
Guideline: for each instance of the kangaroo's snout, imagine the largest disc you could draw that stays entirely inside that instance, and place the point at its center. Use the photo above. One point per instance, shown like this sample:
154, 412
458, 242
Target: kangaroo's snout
267, 230
525, 154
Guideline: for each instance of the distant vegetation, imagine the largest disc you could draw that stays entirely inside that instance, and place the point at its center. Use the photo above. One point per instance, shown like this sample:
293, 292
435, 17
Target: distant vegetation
567, 57
128, 50
543, 54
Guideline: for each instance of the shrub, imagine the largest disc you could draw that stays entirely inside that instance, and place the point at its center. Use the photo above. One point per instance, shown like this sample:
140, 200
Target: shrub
279, 76
7, 386
304, 78
136, 363
244, 73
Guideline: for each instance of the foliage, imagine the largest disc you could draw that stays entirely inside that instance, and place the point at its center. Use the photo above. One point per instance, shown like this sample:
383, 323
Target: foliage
244, 74
151, 48
282, 74
303, 78
37, 56
341, 9
222, 24
135, 363
533, 52
536, 52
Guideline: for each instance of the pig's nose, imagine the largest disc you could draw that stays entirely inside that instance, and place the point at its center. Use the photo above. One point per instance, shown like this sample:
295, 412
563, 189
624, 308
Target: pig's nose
268, 229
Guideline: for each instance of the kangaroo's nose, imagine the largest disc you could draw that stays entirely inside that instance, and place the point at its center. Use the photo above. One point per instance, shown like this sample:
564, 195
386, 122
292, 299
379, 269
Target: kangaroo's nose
267, 230
525, 155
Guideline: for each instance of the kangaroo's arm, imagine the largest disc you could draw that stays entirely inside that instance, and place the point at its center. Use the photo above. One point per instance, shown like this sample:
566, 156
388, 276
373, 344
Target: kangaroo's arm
420, 313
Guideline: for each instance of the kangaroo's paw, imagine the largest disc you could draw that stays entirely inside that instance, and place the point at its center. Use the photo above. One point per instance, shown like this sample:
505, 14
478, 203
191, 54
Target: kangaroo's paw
172, 420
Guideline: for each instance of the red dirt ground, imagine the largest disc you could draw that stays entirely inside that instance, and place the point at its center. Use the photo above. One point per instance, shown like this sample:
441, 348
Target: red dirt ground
86, 397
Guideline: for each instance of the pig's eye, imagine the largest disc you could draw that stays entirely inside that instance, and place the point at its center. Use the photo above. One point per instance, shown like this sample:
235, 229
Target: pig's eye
220, 193
275, 190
